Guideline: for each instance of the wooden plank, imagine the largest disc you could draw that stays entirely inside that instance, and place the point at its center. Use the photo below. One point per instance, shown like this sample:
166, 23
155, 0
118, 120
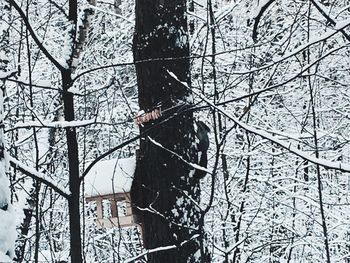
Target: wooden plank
114, 207
99, 208
124, 221
120, 196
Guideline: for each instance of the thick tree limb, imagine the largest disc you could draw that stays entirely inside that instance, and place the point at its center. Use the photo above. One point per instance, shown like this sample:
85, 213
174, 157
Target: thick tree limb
149, 251
258, 17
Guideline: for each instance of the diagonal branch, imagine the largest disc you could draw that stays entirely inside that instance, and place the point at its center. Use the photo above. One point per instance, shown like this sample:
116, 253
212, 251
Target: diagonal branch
193, 165
31, 172
266, 135
329, 19
34, 36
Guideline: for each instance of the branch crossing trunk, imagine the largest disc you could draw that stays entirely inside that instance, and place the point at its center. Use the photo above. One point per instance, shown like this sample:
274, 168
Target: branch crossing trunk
164, 188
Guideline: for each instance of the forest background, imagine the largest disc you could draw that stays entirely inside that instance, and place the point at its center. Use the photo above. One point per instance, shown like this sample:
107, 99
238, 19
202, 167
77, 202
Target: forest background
271, 80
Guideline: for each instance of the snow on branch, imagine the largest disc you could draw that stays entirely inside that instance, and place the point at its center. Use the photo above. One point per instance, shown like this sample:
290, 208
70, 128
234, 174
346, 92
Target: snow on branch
266, 135
40, 177
329, 19
193, 165
338, 28
149, 251
304, 69
84, 22
110, 13
34, 36
54, 124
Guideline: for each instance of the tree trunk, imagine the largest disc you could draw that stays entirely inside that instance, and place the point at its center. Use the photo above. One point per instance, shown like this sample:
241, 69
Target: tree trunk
72, 144
74, 182
164, 185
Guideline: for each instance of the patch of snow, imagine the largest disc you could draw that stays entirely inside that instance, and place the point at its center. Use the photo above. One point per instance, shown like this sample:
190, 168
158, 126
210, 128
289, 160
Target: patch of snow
7, 231
75, 90
4, 258
44, 83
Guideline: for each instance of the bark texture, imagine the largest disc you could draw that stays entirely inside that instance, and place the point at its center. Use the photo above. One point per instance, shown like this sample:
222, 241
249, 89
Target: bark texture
164, 187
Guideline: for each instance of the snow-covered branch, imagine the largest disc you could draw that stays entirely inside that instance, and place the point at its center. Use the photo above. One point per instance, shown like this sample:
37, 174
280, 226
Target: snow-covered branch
193, 165
34, 36
338, 28
266, 135
54, 124
303, 70
40, 177
153, 250
329, 19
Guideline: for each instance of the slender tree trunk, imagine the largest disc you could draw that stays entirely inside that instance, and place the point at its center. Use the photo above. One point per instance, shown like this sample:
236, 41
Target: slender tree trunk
164, 187
73, 150
74, 182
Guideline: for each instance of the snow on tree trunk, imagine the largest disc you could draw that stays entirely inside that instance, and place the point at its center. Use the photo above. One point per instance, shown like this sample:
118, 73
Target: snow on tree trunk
164, 187
7, 218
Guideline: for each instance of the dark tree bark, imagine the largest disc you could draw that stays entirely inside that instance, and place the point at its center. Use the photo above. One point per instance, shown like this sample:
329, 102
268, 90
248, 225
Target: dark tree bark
164, 187
74, 181
73, 150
